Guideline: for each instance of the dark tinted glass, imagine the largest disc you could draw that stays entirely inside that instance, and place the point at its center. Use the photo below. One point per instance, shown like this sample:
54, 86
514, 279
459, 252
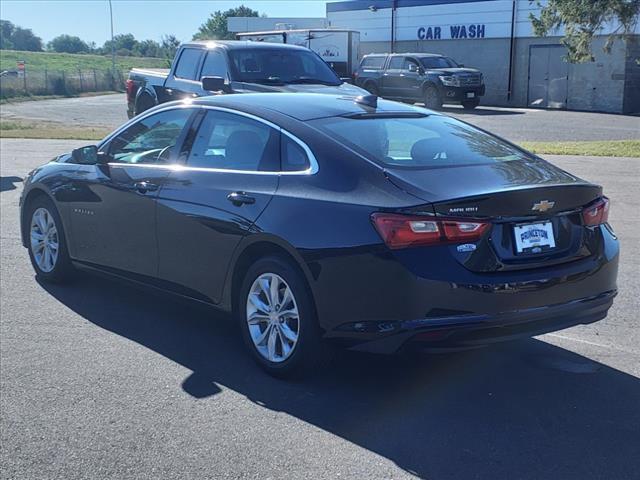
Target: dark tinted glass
188, 63
294, 158
214, 65
373, 62
233, 142
396, 63
280, 66
422, 142
438, 62
151, 140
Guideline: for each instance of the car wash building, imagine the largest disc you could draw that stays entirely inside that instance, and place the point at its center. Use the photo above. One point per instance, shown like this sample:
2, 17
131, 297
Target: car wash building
496, 36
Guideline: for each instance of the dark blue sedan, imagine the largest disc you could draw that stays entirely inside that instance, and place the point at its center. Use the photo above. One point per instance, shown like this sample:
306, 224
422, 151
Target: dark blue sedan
319, 220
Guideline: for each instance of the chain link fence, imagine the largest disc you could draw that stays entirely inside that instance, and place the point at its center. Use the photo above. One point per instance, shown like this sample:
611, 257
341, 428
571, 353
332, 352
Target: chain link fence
60, 82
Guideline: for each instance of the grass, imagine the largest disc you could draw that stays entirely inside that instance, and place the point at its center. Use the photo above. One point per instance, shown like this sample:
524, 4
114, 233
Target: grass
29, 98
39, 61
24, 129
608, 148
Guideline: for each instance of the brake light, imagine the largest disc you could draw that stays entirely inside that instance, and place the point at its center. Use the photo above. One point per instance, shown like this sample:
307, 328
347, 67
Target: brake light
401, 231
129, 87
596, 213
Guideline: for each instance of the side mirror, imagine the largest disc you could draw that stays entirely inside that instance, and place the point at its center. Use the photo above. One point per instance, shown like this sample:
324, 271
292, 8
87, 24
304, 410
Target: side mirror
85, 155
413, 68
214, 84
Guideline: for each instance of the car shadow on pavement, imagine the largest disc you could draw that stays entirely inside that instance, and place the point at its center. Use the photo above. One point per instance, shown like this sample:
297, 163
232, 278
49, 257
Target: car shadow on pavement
8, 183
519, 410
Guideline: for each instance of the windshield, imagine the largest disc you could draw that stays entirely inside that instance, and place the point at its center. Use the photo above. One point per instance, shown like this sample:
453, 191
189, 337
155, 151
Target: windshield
419, 142
280, 66
438, 62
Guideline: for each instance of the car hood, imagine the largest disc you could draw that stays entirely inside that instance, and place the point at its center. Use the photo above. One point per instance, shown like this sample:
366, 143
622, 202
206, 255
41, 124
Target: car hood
454, 71
343, 89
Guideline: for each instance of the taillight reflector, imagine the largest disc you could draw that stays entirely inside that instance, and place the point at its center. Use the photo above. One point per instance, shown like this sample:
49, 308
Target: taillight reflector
401, 231
596, 213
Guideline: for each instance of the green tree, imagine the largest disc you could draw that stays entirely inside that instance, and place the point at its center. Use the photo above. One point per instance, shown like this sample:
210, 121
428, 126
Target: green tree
148, 48
24, 39
123, 42
582, 19
169, 46
215, 28
68, 44
6, 30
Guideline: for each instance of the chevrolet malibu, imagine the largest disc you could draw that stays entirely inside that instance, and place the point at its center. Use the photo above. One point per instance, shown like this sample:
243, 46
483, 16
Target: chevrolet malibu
319, 219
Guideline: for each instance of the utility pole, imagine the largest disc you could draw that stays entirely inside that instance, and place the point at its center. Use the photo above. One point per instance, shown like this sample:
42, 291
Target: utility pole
113, 45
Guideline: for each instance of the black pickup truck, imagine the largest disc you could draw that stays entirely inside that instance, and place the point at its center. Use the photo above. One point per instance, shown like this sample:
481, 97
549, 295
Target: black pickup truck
240, 67
420, 77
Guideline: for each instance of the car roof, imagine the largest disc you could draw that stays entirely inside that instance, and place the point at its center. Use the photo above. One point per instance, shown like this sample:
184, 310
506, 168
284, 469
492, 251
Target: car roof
240, 44
304, 106
407, 54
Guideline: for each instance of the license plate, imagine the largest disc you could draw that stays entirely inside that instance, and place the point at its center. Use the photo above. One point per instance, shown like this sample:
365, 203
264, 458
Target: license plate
532, 237
471, 95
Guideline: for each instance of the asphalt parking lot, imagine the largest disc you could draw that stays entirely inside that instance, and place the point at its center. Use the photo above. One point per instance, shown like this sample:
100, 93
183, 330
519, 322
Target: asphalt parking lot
101, 380
516, 124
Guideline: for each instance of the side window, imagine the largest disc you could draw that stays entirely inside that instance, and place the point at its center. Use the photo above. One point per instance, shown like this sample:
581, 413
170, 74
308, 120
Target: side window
188, 63
373, 63
214, 65
150, 140
234, 142
396, 63
294, 158
408, 62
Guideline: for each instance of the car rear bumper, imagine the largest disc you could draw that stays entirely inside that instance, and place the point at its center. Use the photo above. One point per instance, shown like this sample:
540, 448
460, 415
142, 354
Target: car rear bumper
460, 332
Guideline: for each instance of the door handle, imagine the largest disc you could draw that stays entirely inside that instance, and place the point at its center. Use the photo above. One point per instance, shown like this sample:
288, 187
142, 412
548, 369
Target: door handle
144, 187
240, 198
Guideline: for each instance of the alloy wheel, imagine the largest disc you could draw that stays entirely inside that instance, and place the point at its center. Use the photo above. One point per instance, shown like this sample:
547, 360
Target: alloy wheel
44, 239
272, 317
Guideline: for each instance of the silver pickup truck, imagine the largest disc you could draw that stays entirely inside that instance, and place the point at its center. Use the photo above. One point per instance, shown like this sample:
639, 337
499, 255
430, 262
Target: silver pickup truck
233, 67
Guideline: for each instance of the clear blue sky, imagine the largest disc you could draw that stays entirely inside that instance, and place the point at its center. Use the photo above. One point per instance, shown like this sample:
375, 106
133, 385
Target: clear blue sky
89, 19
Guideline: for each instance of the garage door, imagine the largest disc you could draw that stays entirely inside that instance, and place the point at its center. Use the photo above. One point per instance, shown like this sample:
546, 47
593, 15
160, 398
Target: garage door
548, 75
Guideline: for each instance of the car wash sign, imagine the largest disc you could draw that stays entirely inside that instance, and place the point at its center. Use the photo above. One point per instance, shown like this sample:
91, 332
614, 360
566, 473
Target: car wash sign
452, 32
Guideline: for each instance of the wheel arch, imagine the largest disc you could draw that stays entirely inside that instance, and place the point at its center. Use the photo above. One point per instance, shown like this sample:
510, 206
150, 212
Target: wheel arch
34, 193
148, 93
255, 248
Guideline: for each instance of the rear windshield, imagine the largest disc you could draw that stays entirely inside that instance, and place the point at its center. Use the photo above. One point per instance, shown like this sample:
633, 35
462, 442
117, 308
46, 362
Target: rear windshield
438, 62
280, 66
419, 142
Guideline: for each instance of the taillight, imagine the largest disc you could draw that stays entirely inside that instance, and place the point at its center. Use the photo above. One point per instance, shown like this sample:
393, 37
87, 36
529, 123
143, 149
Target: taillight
130, 86
596, 213
401, 231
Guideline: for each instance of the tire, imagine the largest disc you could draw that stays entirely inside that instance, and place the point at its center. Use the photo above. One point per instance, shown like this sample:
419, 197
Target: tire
43, 222
372, 88
431, 97
143, 104
270, 338
470, 104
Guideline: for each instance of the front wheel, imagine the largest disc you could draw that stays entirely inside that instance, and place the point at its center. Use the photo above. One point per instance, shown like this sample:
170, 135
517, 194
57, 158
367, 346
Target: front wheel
278, 319
431, 97
470, 104
47, 243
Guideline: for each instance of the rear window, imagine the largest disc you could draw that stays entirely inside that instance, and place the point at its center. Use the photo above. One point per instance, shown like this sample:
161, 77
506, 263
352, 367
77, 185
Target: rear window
419, 142
374, 63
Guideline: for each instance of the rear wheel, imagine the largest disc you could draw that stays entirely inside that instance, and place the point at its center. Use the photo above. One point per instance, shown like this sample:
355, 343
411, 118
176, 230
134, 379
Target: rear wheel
47, 244
278, 320
470, 104
431, 98
372, 88
143, 103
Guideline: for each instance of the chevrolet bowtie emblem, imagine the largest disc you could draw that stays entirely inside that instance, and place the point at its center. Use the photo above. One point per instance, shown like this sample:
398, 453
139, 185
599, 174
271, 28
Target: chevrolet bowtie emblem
543, 206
